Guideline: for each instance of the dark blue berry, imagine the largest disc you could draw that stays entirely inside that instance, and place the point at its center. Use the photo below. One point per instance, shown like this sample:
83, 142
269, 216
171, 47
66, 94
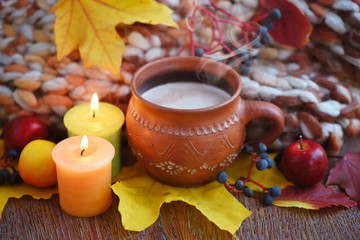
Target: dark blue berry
256, 43
241, 52
267, 199
244, 70
248, 149
265, 39
270, 162
12, 154
239, 184
14, 178
268, 23
261, 148
275, 191
248, 192
275, 14
248, 62
222, 177
263, 31
264, 155
261, 165
256, 55
4, 173
199, 52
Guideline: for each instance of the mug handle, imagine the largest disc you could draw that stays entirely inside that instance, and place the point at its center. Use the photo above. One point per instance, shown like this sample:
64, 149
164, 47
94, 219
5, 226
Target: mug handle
260, 109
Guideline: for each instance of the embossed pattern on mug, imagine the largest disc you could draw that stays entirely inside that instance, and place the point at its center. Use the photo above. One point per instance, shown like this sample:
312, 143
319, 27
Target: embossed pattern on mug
166, 151
191, 131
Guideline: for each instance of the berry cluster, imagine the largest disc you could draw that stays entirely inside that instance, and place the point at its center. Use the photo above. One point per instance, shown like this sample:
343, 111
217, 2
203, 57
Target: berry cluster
240, 51
5, 175
261, 160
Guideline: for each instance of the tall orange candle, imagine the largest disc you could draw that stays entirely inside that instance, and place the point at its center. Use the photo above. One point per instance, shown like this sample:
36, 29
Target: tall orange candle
83, 167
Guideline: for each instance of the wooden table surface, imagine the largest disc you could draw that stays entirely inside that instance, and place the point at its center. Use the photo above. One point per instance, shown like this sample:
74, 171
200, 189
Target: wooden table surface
27, 218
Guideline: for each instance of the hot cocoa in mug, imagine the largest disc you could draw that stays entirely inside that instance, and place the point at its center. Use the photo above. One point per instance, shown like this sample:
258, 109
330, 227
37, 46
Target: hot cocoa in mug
186, 120
186, 95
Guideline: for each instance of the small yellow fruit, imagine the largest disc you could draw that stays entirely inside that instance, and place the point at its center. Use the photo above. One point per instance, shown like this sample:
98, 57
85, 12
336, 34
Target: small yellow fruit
36, 166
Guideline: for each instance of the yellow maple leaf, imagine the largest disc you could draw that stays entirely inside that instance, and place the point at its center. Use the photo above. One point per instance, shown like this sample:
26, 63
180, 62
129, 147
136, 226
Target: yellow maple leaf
89, 25
141, 197
268, 178
297, 204
17, 191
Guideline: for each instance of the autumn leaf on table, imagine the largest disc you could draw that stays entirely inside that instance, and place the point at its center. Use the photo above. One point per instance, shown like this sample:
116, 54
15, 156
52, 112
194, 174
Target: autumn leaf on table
89, 25
315, 197
293, 29
346, 174
268, 178
141, 197
19, 190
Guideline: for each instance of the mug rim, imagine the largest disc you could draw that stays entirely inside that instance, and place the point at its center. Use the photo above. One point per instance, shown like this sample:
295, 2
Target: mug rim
169, 62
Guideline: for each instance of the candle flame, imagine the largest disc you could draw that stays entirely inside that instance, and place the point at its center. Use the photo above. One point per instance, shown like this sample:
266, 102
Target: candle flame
84, 144
94, 105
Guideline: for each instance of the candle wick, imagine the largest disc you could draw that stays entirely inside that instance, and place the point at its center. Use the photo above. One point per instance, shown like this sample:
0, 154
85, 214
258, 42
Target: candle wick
93, 114
82, 152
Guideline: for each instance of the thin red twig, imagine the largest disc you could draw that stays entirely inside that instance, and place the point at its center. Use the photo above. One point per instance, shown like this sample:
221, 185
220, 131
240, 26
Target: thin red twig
217, 37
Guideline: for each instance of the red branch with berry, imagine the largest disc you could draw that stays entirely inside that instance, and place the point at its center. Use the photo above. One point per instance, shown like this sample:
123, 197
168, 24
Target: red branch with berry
239, 51
261, 160
274, 18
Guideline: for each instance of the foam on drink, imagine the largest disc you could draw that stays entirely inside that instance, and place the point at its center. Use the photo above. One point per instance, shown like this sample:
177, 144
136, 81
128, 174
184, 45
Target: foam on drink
186, 95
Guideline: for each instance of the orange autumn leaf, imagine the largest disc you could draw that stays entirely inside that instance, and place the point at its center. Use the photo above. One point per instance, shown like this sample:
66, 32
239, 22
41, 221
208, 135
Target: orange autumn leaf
89, 25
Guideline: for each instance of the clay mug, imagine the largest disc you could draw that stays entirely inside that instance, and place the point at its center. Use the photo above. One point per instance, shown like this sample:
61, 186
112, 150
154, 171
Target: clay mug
189, 147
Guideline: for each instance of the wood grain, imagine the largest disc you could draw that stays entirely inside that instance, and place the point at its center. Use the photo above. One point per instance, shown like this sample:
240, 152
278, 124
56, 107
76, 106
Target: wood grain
27, 218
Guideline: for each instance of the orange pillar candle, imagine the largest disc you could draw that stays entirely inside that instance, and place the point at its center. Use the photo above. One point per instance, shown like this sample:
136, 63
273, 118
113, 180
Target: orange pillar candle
83, 167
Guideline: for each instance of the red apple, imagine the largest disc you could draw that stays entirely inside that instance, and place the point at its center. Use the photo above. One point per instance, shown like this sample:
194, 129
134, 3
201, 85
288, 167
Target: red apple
304, 163
23, 130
